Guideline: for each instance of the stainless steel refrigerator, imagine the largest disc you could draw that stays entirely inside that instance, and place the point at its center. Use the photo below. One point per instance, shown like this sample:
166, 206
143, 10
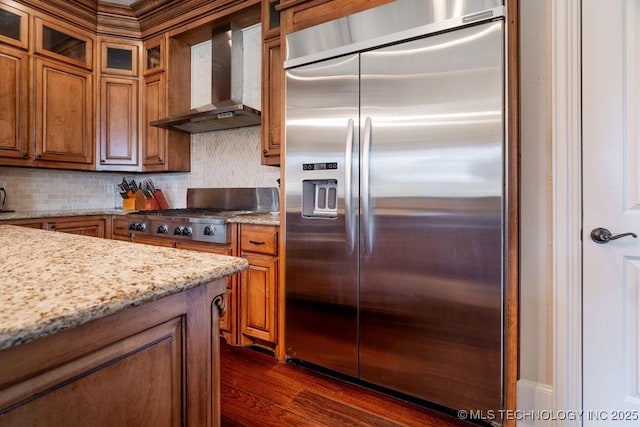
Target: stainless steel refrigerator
394, 195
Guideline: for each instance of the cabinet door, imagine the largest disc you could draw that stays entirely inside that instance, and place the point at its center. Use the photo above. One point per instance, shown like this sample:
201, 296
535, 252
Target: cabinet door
118, 122
14, 105
63, 43
228, 318
64, 114
272, 103
14, 26
93, 228
258, 298
119, 58
155, 107
155, 55
120, 229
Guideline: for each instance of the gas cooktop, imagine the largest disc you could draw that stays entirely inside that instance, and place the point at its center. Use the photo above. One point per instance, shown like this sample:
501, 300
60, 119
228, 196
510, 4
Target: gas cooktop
206, 215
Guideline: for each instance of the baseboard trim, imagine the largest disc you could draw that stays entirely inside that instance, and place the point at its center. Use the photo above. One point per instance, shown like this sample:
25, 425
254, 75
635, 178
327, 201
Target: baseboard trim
533, 398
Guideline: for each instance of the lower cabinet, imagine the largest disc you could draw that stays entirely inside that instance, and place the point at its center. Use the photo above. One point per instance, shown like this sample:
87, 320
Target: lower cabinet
94, 226
259, 285
258, 300
251, 304
86, 227
229, 318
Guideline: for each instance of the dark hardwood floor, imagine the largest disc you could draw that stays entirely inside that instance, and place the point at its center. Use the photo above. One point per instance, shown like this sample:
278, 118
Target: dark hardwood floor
259, 391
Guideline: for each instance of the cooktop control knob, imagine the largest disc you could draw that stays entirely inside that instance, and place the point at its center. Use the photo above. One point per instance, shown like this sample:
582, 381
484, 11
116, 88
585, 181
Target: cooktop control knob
163, 229
179, 231
187, 231
141, 226
209, 231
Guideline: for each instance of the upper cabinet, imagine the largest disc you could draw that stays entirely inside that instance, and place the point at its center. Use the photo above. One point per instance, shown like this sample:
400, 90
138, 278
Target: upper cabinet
14, 26
63, 43
272, 84
119, 105
64, 114
14, 106
47, 99
167, 65
155, 55
119, 57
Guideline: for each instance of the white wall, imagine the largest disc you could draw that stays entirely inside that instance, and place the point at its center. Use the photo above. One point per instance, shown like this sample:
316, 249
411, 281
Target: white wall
218, 159
534, 387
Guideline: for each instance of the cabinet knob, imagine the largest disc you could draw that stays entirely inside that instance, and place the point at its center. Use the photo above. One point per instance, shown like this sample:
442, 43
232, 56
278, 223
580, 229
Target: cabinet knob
102, 161
265, 152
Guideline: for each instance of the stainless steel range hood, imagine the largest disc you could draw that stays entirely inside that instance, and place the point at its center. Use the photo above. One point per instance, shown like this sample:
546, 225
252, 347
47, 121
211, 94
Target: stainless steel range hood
226, 110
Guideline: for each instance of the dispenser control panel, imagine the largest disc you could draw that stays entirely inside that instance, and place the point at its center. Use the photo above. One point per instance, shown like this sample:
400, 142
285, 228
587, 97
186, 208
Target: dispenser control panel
319, 166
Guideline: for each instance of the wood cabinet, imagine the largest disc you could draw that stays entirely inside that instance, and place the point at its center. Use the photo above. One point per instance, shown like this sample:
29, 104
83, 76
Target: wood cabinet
84, 227
228, 319
120, 228
154, 364
119, 107
15, 26
251, 303
91, 225
155, 139
63, 43
46, 92
259, 285
64, 114
272, 101
298, 14
167, 79
14, 104
272, 84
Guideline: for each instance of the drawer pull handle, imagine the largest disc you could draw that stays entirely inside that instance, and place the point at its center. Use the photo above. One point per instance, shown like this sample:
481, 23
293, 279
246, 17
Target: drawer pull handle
253, 242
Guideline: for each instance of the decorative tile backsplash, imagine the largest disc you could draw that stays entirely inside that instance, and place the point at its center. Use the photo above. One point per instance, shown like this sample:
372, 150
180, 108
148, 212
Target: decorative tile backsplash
228, 158
218, 159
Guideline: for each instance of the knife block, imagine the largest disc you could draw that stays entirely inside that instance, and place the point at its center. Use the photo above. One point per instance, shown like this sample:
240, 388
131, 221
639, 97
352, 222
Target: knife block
129, 204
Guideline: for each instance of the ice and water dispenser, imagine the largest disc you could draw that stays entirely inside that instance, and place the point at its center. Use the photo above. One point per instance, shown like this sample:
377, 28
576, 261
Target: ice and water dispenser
320, 196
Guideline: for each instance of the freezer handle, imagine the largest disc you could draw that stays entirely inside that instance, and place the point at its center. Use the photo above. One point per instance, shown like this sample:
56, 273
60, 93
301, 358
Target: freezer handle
366, 208
348, 195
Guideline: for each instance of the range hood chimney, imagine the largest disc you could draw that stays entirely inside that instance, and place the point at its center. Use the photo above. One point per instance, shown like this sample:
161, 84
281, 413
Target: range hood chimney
226, 110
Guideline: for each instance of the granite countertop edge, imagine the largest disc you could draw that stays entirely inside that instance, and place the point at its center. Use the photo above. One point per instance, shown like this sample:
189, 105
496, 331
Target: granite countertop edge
49, 283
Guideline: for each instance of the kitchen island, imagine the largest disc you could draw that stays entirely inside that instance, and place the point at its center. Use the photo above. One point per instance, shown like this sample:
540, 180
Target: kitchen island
102, 332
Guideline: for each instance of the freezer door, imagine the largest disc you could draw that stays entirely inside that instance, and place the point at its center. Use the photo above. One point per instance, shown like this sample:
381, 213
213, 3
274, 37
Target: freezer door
321, 196
432, 222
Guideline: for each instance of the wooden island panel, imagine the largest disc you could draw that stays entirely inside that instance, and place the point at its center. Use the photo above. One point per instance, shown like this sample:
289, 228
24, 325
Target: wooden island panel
151, 365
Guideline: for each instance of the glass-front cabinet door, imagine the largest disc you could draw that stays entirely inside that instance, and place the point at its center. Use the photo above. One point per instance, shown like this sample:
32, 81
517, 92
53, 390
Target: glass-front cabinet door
154, 55
14, 26
65, 44
119, 58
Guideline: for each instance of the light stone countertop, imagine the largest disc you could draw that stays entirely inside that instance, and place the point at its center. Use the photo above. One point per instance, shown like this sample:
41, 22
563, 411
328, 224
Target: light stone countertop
262, 218
51, 281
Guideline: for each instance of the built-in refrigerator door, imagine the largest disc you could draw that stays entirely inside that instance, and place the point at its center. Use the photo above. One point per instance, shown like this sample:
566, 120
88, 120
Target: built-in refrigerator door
321, 199
432, 217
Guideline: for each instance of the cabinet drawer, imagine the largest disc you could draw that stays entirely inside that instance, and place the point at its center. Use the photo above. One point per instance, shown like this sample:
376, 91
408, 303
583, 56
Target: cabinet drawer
259, 239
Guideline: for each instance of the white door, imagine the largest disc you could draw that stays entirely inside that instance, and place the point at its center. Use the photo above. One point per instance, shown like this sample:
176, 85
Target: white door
611, 197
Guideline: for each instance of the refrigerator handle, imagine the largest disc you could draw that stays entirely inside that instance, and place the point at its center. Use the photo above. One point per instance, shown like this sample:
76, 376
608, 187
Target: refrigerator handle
348, 192
366, 209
